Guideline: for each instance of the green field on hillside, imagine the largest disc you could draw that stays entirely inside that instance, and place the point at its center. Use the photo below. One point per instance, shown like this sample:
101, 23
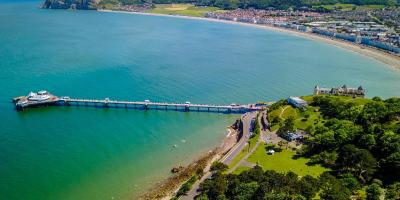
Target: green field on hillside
349, 7
183, 10
309, 116
284, 161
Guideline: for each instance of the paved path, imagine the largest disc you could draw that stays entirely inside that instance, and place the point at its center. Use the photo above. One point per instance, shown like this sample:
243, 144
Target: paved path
283, 110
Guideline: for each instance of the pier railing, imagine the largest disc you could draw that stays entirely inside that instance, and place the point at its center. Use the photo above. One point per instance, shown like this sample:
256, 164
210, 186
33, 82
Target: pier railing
142, 105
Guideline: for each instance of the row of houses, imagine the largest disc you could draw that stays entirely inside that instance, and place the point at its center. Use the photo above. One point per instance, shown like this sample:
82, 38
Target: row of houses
358, 39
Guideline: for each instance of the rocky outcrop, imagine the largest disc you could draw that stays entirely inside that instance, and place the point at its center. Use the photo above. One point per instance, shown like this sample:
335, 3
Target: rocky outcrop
71, 4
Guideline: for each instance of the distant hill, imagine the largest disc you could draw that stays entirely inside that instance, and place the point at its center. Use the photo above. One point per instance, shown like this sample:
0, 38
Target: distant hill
223, 4
68, 4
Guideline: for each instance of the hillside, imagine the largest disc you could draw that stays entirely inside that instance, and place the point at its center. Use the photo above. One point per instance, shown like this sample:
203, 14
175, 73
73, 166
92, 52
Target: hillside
356, 140
71, 4
223, 4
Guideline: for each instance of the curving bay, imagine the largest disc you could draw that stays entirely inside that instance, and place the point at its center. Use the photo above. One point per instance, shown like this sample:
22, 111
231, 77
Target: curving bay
89, 153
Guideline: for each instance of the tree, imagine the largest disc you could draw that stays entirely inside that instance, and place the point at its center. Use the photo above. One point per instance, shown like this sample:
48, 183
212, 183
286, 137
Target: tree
393, 191
309, 186
360, 162
218, 166
201, 197
288, 126
391, 167
373, 112
335, 190
373, 192
389, 143
245, 190
367, 141
350, 181
325, 158
215, 187
227, 4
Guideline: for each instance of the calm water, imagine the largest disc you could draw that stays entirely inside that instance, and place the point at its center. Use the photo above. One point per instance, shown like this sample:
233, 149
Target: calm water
89, 153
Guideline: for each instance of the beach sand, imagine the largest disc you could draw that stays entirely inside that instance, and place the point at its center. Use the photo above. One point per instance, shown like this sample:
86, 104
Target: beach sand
384, 57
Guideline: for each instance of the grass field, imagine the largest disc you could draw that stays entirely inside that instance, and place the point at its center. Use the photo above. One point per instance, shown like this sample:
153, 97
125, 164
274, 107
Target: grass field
285, 161
309, 117
183, 9
240, 170
349, 7
358, 101
340, 6
303, 119
238, 157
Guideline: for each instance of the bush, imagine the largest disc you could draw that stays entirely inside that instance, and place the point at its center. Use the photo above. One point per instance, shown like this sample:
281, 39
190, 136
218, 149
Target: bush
186, 186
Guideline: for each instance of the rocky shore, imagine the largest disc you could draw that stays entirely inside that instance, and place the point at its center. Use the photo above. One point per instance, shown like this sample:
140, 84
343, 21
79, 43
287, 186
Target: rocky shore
167, 188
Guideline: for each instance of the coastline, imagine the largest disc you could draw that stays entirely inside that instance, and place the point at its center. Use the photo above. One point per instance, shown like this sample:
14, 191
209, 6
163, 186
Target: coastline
388, 59
167, 188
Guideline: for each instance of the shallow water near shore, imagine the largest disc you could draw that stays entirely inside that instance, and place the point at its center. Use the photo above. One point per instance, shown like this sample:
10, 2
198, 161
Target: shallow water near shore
93, 153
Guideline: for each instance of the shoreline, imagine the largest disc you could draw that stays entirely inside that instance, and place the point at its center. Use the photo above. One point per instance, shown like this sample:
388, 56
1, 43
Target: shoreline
167, 188
388, 59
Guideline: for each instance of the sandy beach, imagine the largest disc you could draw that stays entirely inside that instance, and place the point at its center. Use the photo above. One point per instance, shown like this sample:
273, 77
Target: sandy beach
388, 59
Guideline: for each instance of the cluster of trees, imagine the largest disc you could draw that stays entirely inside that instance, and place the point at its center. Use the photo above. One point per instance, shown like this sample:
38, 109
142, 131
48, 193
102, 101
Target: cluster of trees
271, 185
362, 139
287, 127
66, 4
358, 140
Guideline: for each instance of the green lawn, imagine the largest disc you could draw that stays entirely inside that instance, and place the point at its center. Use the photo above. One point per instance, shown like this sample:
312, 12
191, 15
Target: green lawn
370, 7
349, 7
238, 157
339, 6
245, 150
284, 161
307, 118
359, 101
303, 119
182, 9
240, 169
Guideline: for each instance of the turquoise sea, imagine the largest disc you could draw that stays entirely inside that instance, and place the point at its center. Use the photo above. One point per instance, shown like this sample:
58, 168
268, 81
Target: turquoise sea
90, 153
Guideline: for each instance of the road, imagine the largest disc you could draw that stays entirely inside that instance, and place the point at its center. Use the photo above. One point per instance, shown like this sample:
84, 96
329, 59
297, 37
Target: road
243, 161
246, 119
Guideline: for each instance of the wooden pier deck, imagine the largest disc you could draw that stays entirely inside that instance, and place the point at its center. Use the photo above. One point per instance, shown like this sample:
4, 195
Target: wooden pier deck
142, 105
146, 105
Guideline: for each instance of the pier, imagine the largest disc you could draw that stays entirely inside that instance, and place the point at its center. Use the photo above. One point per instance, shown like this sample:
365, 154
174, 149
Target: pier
43, 98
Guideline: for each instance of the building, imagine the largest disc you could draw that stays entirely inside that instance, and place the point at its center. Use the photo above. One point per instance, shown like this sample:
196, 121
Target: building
294, 136
271, 152
344, 91
297, 102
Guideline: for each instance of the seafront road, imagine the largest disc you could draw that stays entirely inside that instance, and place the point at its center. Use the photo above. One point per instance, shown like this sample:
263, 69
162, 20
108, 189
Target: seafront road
243, 161
246, 119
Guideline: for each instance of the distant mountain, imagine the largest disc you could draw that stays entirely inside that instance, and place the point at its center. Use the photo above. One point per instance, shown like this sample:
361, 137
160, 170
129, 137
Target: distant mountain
71, 4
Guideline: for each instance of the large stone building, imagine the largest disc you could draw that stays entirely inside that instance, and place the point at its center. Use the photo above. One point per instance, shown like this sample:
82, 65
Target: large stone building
344, 91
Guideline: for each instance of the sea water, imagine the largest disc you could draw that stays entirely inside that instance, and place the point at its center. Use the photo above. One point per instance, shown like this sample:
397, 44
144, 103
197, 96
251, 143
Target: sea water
94, 153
